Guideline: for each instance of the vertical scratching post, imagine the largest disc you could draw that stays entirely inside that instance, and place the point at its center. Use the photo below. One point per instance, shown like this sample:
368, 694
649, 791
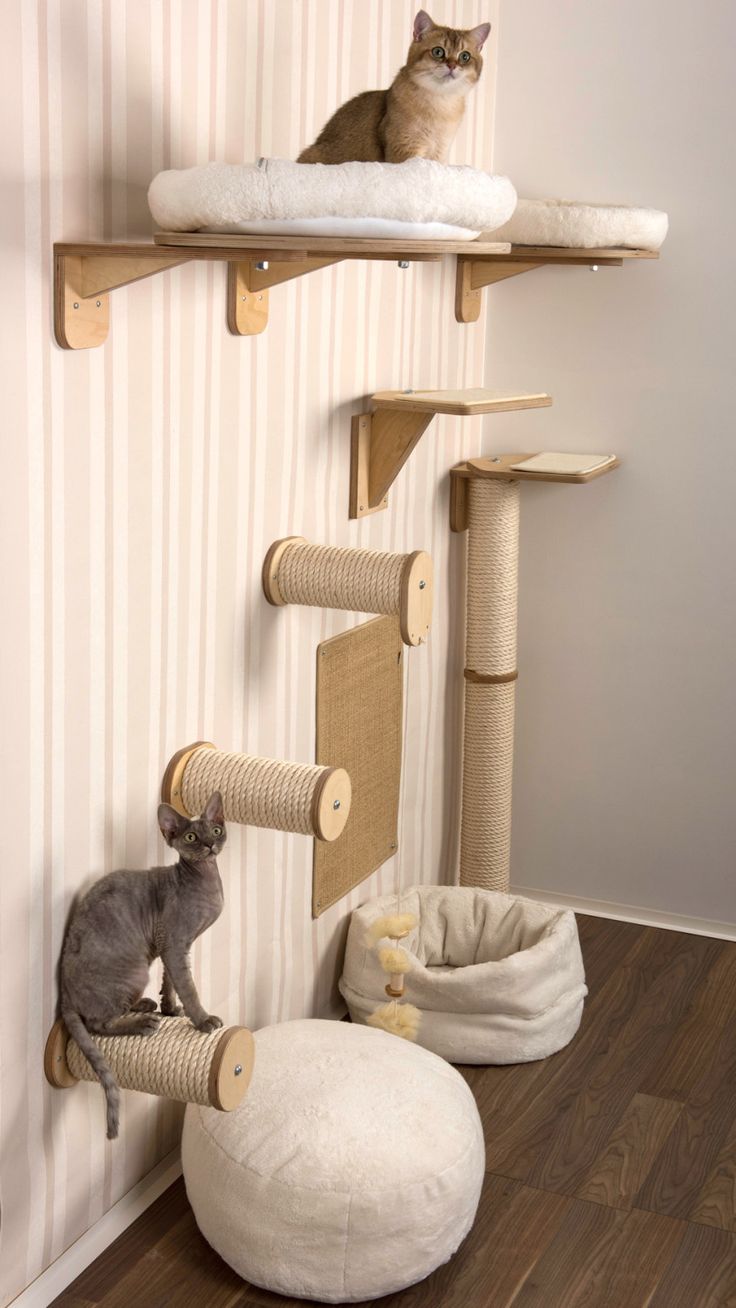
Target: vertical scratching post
484, 501
490, 683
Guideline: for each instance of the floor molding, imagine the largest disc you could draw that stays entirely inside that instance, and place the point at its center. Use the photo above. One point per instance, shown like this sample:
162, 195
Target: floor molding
694, 926
41, 1292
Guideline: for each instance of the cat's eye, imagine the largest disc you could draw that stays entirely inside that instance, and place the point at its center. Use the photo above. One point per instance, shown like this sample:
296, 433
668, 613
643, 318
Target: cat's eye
438, 52
463, 57
190, 837
217, 831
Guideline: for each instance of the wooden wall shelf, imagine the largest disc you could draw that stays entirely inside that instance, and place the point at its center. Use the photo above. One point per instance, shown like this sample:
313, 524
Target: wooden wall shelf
501, 468
86, 272
383, 438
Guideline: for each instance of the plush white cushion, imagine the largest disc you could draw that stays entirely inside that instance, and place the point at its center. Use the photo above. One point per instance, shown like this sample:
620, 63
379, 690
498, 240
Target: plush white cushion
498, 979
576, 225
352, 1168
234, 197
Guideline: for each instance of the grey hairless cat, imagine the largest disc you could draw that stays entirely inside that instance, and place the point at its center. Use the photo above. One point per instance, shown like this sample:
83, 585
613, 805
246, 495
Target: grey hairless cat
125, 921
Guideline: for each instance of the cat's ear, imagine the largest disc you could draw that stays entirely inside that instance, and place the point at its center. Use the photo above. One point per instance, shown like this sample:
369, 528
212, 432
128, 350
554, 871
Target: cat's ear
480, 34
214, 811
422, 24
170, 822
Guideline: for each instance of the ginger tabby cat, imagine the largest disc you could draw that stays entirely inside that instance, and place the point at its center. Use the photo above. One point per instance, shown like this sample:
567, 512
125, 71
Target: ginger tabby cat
420, 112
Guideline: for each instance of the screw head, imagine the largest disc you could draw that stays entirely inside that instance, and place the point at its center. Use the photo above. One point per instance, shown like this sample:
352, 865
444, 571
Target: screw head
237, 1069
422, 585
98, 303
76, 306
594, 267
336, 804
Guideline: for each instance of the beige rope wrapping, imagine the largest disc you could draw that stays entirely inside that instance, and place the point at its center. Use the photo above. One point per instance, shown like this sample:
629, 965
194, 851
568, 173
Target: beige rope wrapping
335, 577
492, 572
260, 792
174, 1062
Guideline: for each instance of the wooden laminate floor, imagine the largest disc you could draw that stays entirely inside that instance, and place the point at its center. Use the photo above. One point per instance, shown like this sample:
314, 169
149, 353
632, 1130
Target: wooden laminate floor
611, 1167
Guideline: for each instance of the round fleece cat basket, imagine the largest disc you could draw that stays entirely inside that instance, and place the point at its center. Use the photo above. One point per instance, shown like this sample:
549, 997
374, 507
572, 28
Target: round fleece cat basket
497, 978
352, 1169
419, 199
575, 224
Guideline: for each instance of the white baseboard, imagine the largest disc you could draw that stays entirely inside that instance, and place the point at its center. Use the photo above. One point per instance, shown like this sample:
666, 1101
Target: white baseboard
694, 926
41, 1292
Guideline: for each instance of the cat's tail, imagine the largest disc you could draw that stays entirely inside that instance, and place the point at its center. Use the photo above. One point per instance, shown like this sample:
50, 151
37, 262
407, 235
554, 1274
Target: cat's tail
78, 1031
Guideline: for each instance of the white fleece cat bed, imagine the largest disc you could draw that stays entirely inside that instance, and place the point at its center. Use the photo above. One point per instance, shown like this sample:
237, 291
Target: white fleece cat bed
572, 224
498, 979
419, 199
352, 1169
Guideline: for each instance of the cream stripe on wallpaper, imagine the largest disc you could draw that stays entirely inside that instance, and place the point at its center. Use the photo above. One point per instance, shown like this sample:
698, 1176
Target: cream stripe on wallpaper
143, 484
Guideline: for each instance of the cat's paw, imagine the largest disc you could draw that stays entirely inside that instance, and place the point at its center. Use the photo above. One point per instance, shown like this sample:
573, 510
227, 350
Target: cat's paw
148, 1023
210, 1023
145, 1006
171, 1010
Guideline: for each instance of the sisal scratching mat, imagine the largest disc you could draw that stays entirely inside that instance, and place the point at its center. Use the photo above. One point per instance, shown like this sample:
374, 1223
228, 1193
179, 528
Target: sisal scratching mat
359, 718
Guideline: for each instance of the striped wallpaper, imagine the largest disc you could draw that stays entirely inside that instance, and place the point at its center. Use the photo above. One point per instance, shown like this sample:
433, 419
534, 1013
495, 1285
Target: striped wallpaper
142, 485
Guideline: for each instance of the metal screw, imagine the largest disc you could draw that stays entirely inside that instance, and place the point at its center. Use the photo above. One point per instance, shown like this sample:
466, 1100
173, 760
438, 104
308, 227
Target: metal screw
408, 391
422, 584
392, 845
594, 267
336, 804
260, 297
98, 303
238, 1069
262, 265
243, 297
361, 507
76, 306
403, 263
494, 459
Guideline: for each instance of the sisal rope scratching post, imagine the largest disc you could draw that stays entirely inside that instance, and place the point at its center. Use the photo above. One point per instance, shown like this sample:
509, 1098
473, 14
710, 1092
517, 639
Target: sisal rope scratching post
176, 1062
356, 580
485, 501
490, 677
260, 792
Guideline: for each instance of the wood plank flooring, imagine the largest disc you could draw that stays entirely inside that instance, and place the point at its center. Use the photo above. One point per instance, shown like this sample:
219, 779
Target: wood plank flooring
611, 1167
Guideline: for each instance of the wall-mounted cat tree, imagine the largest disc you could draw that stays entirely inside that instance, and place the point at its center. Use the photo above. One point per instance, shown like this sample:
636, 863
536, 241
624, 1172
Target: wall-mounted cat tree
260, 792
86, 272
383, 439
485, 502
176, 1062
356, 580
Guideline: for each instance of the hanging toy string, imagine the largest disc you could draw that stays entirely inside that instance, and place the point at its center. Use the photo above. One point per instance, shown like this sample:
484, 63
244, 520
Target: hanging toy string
397, 1018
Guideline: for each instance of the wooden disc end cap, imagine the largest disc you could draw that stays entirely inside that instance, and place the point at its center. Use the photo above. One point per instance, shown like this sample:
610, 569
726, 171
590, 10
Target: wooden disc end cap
174, 775
331, 804
270, 570
417, 592
232, 1068
55, 1065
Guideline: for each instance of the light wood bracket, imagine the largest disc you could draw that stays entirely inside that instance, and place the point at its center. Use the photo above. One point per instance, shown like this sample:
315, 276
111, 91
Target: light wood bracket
474, 271
500, 468
383, 438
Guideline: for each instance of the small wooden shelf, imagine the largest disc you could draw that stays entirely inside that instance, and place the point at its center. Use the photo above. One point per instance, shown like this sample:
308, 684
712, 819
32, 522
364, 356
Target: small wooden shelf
85, 272
474, 272
500, 469
384, 437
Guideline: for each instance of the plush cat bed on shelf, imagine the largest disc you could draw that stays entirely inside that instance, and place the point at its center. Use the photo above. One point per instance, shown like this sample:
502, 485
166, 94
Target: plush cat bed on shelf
575, 225
498, 979
352, 1169
419, 199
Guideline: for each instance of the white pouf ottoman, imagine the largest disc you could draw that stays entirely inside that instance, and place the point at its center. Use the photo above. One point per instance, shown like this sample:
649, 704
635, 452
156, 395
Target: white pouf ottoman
352, 1168
498, 979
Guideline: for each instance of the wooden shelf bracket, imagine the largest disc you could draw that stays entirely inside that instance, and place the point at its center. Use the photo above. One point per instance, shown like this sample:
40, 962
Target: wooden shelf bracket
474, 272
383, 438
